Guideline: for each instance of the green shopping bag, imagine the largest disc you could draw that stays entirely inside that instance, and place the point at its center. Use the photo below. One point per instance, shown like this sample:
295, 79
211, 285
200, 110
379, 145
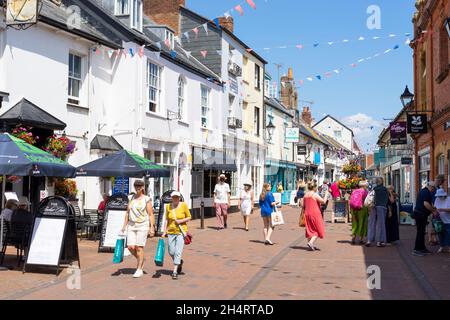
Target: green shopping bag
119, 249
438, 225
160, 251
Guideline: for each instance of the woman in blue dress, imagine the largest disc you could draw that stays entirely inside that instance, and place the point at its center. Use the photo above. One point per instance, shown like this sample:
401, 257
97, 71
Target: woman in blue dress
267, 203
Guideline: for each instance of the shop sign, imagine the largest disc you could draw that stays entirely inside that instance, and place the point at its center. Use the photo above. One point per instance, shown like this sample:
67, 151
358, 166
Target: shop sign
407, 161
417, 123
301, 150
292, 135
19, 12
398, 133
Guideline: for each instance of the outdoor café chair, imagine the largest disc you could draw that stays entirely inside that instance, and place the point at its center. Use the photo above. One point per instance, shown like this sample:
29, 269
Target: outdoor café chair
92, 224
17, 235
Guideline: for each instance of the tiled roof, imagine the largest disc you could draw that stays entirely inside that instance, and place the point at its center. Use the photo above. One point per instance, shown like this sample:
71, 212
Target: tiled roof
275, 103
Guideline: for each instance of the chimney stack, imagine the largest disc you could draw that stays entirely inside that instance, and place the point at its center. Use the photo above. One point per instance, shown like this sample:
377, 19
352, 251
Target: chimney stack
165, 12
307, 116
227, 23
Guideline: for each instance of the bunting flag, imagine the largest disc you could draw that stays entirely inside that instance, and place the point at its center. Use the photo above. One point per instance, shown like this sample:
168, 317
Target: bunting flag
217, 23
239, 9
204, 53
98, 51
141, 51
173, 54
205, 26
157, 54
168, 44
158, 45
177, 40
219, 52
131, 52
188, 54
249, 50
251, 4
227, 15
196, 32
186, 35
110, 53
124, 53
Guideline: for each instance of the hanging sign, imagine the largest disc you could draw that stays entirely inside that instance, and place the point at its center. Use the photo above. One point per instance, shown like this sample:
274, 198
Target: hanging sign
398, 133
407, 161
19, 12
301, 150
417, 123
292, 135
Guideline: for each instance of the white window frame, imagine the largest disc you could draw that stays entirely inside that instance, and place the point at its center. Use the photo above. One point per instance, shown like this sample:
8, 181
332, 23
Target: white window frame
154, 85
136, 18
257, 121
72, 77
117, 7
169, 35
337, 136
181, 103
205, 107
257, 76
441, 164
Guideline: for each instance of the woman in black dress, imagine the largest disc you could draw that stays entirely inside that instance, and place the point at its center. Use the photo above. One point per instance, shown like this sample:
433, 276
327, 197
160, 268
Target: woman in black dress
392, 219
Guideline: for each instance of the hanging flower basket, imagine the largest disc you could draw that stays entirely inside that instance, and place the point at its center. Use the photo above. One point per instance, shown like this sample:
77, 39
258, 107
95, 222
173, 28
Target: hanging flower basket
60, 147
66, 188
350, 183
25, 134
352, 168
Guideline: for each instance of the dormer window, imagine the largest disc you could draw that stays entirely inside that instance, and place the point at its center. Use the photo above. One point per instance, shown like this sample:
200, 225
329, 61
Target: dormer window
169, 38
136, 15
122, 7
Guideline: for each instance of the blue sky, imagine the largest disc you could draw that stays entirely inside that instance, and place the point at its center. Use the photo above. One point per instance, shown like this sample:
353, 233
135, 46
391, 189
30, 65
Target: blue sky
361, 96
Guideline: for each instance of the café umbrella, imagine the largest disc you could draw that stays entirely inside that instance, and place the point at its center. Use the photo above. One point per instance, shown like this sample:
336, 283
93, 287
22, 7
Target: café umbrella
18, 158
122, 163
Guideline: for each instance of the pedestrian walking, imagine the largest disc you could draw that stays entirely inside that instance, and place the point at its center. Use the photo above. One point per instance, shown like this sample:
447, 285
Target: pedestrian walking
360, 213
424, 208
314, 224
267, 204
222, 202
139, 223
246, 203
433, 238
335, 192
280, 187
300, 194
324, 192
392, 220
442, 204
175, 228
377, 215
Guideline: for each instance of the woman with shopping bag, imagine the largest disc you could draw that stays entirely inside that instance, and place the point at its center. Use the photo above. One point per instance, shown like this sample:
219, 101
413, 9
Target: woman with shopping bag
139, 223
267, 203
175, 227
314, 224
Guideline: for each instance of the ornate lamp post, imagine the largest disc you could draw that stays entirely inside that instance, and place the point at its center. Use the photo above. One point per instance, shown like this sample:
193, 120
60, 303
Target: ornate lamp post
270, 130
407, 97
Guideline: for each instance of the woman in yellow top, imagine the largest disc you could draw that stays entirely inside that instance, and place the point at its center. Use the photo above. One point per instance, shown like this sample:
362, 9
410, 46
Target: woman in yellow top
177, 216
140, 222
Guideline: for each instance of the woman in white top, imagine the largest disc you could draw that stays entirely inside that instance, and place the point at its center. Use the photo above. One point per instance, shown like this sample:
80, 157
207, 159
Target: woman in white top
442, 205
10, 206
140, 222
246, 203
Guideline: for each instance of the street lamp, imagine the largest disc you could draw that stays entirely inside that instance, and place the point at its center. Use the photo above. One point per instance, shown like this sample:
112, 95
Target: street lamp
309, 146
407, 97
447, 26
270, 130
327, 152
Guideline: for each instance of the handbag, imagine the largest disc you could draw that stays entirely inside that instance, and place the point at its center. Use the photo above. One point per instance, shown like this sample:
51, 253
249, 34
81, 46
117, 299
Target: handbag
302, 222
119, 249
438, 225
370, 199
277, 218
186, 235
160, 251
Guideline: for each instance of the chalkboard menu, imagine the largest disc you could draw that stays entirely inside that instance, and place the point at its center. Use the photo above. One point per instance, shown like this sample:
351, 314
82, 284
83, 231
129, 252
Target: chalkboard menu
340, 209
113, 219
54, 238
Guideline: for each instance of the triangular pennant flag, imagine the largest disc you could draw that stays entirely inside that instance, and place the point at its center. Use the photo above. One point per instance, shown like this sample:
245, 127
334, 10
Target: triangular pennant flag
117, 52
392, 36
131, 52
239, 9
336, 71
407, 34
408, 41
98, 51
353, 65
361, 38
173, 54
330, 43
217, 22
387, 51
316, 45
195, 31
299, 46
167, 43
158, 45
219, 52
249, 50
309, 79
319, 77
141, 51
205, 26
188, 54
346, 40
396, 47
251, 4
328, 74
124, 53
186, 35
177, 40
204, 53
227, 15
376, 38
361, 60
110, 53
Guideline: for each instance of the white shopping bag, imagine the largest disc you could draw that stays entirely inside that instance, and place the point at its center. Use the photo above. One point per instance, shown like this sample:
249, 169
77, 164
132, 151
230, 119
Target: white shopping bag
277, 218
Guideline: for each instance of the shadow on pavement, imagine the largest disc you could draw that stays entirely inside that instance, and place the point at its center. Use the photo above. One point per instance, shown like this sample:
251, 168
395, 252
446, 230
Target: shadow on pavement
125, 271
257, 241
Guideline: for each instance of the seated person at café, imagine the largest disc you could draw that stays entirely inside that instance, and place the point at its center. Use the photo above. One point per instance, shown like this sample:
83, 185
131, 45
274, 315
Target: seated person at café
10, 206
22, 215
102, 206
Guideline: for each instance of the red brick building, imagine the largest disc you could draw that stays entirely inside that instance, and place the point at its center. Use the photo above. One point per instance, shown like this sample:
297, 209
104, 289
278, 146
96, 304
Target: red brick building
432, 88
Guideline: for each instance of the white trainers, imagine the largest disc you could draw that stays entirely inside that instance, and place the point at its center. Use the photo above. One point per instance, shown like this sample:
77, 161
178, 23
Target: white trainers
139, 273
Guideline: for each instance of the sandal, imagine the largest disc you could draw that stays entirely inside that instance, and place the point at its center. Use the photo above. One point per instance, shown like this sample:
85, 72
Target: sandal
174, 276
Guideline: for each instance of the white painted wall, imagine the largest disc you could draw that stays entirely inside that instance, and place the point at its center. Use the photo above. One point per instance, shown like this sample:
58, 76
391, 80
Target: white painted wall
329, 126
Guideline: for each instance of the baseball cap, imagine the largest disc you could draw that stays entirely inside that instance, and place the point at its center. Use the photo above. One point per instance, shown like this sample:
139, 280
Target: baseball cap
175, 194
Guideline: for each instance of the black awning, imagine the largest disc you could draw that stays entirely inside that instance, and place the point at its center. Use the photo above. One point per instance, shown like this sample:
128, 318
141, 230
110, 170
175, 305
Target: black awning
28, 114
106, 143
205, 159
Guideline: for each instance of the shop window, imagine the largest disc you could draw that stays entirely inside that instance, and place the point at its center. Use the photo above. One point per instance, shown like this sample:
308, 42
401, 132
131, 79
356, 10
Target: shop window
443, 51
205, 102
122, 7
441, 164
154, 86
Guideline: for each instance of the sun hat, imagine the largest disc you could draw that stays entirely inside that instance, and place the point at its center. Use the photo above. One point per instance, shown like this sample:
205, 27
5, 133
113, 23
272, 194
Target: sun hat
441, 193
363, 183
223, 176
248, 183
175, 194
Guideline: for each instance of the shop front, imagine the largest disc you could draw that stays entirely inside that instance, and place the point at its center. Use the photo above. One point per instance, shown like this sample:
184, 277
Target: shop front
424, 167
284, 172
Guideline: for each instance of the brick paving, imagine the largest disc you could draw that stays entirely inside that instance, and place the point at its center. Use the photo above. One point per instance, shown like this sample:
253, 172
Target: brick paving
235, 264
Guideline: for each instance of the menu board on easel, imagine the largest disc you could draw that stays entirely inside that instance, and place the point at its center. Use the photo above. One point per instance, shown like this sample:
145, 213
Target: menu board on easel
340, 211
53, 239
113, 219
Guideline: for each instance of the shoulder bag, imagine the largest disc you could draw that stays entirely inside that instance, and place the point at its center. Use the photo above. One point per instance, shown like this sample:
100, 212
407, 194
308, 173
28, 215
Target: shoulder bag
186, 235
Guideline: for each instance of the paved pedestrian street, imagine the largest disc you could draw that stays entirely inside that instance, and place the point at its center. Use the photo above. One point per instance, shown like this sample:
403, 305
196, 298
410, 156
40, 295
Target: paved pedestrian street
235, 264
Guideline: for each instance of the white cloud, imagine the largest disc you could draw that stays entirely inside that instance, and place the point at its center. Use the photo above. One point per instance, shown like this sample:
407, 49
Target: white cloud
365, 128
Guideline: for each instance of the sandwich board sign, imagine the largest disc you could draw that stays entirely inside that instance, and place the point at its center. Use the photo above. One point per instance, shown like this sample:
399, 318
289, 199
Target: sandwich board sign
113, 219
54, 239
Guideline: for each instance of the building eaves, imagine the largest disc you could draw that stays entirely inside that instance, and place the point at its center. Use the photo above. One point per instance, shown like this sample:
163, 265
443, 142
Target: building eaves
334, 119
278, 105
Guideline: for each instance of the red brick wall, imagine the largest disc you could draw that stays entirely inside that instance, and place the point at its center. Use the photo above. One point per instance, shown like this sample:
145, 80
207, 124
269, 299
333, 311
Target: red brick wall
165, 12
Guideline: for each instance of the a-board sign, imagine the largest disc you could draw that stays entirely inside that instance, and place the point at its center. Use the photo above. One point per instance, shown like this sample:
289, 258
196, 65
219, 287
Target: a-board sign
340, 209
113, 219
53, 239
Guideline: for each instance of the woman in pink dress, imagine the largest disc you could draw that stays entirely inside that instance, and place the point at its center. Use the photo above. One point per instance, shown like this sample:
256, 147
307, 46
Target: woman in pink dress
315, 227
